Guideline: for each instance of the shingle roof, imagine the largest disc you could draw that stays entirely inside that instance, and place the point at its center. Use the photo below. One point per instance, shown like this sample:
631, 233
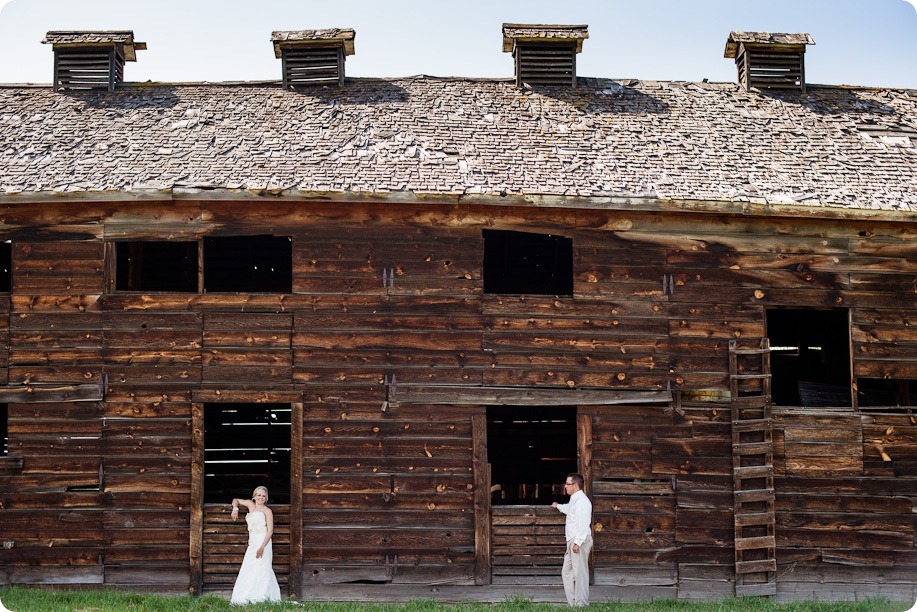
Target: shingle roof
765, 38
124, 39
513, 32
344, 36
88, 37
850, 148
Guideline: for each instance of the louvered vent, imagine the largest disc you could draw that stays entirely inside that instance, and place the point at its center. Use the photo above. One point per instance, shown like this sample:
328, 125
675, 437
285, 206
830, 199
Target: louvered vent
546, 64
544, 54
85, 60
313, 66
769, 61
313, 57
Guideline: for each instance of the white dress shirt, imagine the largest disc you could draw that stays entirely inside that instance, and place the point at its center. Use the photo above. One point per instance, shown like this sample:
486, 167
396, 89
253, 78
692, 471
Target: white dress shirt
579, 518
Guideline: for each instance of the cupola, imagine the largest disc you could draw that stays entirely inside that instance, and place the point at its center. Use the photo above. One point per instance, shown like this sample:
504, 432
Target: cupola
313, 57
91, 59
769, 61
544, 54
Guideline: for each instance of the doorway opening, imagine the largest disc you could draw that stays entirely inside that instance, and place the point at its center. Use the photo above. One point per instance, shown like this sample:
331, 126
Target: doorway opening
531, 449
245, 446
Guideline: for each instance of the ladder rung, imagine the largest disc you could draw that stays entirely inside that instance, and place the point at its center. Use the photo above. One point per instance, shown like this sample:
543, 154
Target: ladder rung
758, 542
751, 401
753, 471
752, 425
752, 448
757, 351
749, 376
753, 495
754, 519
752, 590
750, 567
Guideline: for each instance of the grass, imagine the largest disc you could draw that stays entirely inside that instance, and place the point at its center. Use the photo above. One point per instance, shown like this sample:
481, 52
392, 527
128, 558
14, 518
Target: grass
22, 599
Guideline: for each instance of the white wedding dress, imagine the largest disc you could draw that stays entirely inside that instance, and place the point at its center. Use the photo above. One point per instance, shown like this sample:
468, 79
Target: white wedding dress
256, 581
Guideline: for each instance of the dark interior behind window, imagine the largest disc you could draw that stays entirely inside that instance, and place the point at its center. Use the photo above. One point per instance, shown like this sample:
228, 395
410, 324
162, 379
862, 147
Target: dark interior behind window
810, 357
522, 262
245, 446
6, 266
248, 264
875, 392
531, 449
156, 266
4, 431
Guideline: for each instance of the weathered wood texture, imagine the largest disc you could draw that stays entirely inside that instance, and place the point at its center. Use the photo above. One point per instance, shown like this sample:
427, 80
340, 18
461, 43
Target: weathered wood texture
103, 491
225, 541
528, 545
387, 494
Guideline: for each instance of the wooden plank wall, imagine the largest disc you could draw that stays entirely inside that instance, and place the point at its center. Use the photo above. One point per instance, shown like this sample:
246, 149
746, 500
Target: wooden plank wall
387, 493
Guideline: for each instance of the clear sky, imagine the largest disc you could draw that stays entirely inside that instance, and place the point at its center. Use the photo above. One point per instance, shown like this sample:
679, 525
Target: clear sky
858, 42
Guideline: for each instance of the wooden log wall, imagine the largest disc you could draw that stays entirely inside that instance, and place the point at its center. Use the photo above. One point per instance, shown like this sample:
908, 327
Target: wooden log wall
100, 491
387, 494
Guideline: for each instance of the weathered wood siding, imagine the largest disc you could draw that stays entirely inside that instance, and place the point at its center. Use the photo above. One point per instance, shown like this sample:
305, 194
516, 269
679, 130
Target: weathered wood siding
103, 492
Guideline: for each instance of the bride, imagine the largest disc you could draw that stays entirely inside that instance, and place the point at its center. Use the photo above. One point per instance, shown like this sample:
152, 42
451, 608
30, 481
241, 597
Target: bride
256, 581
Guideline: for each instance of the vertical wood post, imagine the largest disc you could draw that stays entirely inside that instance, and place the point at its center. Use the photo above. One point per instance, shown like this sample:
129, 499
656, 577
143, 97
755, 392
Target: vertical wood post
584, 452
112, 68
200, 265
197, 499
482, 526
296, 467
341, 60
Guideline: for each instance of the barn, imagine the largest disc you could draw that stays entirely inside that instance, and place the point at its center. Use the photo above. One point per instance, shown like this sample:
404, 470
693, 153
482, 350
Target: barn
410, 306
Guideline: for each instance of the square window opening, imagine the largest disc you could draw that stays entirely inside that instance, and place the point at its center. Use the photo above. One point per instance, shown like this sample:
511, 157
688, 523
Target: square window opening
810, 357
246, 446
248, 264
531, 450
523, 262
4, 431
886, 393
6, 266
156, 266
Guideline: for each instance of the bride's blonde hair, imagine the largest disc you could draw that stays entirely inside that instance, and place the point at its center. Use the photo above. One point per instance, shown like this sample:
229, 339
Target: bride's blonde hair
262, 488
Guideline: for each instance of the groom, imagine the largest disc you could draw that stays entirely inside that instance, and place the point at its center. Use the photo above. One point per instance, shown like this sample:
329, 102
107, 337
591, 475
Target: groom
578, 530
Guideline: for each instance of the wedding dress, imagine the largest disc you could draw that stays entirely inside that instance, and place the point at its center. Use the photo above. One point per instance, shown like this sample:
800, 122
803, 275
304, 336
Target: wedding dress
256, 580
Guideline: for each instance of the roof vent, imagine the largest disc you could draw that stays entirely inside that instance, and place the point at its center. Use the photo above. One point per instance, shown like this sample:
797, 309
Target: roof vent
313, 57
544, 54
91, 59
769, 61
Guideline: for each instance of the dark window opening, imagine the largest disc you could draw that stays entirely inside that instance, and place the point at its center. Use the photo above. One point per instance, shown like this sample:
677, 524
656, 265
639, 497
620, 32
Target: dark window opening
4, 431
248, 264
6, 266
810, 357
156, 266
890, 393
520, 262
246, 446
531, 450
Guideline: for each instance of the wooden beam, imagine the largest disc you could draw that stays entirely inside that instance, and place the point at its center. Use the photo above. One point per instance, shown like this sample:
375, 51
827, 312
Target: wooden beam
197, 499
524, 396
584, 465
296, 467
481, 500
21, 394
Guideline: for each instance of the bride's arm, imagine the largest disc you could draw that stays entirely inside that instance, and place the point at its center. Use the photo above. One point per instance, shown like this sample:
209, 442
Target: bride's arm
236, 502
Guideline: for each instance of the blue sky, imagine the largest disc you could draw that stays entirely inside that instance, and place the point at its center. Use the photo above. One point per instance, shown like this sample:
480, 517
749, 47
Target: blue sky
858, 42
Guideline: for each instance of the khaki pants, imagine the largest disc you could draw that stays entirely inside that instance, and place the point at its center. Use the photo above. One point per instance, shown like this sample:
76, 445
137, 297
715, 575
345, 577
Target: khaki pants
576, 573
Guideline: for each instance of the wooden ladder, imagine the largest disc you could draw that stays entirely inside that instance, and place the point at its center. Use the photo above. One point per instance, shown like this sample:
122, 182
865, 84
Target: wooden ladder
753, 469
